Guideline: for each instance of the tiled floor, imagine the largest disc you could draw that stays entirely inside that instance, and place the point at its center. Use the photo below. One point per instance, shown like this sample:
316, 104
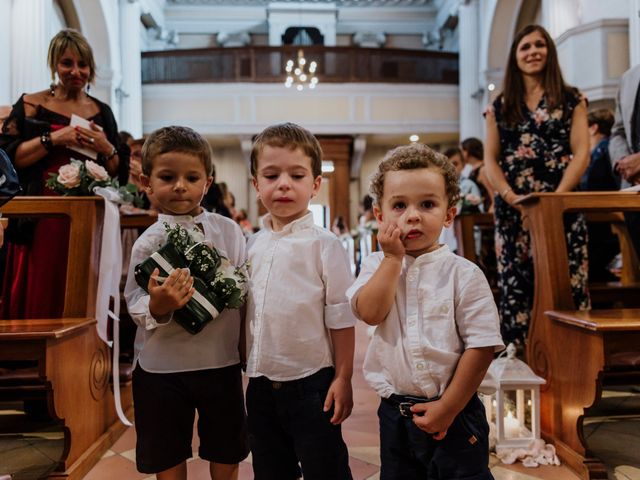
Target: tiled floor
617, 442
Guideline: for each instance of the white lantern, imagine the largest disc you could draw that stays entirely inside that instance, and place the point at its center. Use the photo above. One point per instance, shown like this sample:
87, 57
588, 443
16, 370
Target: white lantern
515, 410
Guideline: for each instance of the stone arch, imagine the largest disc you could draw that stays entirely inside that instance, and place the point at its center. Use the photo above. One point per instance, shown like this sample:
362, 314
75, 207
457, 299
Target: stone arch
501, 25
99, 25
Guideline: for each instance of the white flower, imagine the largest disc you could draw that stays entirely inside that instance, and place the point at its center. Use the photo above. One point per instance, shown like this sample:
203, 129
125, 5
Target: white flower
96, 171
69, 175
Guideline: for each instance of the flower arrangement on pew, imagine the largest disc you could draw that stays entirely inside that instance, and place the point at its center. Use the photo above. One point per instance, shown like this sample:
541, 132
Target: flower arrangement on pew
218, 284
79, 178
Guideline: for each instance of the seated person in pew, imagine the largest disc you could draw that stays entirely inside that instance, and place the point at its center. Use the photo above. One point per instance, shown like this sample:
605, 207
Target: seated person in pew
437, 325
175, 372
602, 243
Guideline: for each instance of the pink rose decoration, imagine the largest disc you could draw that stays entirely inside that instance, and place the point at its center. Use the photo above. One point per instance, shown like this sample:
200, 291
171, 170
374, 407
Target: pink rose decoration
69, 175
96, 171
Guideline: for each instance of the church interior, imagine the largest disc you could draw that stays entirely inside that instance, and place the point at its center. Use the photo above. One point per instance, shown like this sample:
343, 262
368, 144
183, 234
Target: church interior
364, 76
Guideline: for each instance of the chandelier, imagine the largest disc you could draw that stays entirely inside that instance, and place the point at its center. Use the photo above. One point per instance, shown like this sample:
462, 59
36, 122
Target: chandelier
299, 75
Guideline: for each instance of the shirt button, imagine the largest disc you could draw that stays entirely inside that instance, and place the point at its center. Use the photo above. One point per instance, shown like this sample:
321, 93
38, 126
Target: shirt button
276, 385
420, 366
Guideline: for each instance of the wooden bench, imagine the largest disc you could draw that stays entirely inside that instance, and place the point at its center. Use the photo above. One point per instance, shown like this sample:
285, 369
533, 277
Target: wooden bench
578, 353
73, 364
464, 229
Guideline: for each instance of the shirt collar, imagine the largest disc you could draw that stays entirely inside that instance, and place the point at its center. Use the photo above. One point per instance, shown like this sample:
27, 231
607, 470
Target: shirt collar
428, 257
182, 219
297, 225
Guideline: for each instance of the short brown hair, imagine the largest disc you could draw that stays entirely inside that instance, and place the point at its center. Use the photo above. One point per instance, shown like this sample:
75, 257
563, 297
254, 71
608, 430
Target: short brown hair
175, 139
73, 39
473, 146
292, 136
411, 157
603, 117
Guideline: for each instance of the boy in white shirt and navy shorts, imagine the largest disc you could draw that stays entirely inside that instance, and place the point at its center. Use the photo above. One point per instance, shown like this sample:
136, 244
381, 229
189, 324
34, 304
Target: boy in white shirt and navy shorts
437, 325
176, 373
300, 328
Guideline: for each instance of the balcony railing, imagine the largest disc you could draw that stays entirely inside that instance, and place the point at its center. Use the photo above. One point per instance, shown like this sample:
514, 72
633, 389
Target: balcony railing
266, 65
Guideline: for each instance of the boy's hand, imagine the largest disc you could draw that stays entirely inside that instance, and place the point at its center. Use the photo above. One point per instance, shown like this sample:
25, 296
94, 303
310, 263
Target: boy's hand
172, 294
341, 394
433, 417
389, 237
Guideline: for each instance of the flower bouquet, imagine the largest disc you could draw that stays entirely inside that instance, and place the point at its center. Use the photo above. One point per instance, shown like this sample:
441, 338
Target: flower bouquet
218, 284
79, 178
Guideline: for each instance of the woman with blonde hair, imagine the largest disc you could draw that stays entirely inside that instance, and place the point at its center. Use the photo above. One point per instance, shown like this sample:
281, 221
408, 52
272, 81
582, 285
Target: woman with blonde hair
39, 139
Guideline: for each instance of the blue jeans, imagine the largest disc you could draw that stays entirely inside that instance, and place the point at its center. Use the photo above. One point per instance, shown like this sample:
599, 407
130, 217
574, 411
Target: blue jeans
287, 427
408, 453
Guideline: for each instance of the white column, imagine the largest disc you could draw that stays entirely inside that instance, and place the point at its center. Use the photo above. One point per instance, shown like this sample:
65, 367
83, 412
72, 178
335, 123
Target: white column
30, 37
5, 53
471, 92
634, 32
130, 93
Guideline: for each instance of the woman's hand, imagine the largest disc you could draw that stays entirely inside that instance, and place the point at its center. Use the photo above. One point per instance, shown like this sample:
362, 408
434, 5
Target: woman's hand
65, 137
95, 139
511, 198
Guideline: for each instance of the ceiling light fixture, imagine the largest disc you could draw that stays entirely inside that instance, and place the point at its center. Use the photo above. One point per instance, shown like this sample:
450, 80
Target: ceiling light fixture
299, 75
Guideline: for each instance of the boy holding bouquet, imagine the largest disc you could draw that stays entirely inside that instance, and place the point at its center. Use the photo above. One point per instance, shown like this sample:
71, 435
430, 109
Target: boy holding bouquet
300, 328
176, 372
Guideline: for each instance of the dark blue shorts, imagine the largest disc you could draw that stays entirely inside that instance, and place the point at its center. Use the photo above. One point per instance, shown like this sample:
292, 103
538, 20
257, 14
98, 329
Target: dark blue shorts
408, 453
165, 406
287, 428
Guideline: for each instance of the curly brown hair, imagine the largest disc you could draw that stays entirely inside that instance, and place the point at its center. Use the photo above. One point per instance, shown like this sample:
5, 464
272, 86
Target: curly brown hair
411, 157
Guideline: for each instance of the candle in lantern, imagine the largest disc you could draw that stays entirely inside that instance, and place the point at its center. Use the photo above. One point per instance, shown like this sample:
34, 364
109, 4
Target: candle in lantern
511, 426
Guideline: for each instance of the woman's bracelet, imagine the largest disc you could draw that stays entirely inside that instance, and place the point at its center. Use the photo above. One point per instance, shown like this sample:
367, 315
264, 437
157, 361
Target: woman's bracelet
105, 158
113, 153
505, 191
45, 140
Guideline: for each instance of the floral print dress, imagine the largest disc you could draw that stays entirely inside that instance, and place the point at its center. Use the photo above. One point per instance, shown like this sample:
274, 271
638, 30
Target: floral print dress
533, 156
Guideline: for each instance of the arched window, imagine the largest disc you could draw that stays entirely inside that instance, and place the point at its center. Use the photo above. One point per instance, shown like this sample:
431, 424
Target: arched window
302, 36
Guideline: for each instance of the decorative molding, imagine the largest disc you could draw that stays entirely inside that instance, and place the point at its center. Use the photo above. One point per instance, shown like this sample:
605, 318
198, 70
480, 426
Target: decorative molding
606, 23
338, 3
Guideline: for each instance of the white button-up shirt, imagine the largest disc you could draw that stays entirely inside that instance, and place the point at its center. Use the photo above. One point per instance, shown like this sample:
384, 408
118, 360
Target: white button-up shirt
443, 306
299, 277
168, 347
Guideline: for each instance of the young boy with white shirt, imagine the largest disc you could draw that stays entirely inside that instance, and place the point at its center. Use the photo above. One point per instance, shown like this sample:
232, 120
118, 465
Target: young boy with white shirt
437, 325
175, 372
300, 329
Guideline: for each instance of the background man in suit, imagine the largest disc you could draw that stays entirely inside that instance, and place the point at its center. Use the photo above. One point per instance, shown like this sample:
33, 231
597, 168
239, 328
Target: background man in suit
624, 145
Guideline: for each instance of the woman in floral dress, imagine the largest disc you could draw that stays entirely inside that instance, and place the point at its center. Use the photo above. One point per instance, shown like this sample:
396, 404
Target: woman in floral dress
537, 141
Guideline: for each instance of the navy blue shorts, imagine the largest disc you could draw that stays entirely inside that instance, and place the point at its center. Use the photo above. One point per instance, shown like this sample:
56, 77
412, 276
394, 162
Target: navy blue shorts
288, 429
409, 453
165, 406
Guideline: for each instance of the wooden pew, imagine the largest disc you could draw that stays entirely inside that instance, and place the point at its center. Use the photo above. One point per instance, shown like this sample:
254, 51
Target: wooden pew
626, 291
463, 225
73, 363
578, 353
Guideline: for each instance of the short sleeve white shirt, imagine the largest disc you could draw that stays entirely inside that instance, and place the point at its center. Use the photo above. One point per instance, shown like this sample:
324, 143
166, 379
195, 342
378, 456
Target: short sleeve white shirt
299, 278
443, 306
168, 347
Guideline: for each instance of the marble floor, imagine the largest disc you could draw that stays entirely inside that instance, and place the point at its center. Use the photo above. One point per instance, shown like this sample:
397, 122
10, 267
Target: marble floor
29, 455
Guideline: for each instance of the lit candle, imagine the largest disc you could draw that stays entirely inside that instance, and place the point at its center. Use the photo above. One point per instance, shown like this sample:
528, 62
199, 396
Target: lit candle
511, 426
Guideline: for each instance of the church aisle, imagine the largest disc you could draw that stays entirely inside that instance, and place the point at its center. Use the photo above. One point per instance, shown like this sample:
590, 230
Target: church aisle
360, 433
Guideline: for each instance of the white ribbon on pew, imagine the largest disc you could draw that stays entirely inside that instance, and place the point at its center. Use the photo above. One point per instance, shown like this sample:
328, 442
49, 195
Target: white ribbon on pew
109, 287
